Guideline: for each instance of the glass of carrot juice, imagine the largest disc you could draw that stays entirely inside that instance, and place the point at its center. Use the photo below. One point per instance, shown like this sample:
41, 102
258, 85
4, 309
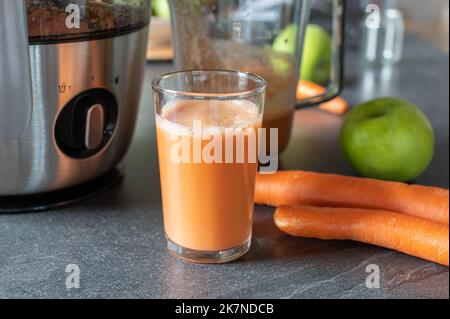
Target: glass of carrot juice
207, 125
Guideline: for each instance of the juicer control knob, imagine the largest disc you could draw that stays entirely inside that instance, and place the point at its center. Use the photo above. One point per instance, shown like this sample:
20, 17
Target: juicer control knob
95, 122
86, 124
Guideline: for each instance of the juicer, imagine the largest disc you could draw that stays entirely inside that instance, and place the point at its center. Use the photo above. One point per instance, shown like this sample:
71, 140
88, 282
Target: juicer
71, 76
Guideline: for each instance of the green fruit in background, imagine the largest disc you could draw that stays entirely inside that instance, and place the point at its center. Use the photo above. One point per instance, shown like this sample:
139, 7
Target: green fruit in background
317, 55
286, 40
317, 51
388, 139
161, 8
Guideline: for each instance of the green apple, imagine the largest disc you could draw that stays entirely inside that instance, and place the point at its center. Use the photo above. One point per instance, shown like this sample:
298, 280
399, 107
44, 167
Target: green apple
388, 138
286, 40
317, 55
285, 43
161, 8
317, 51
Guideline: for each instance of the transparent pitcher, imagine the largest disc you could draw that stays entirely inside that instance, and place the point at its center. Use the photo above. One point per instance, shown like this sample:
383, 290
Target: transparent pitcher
264, 37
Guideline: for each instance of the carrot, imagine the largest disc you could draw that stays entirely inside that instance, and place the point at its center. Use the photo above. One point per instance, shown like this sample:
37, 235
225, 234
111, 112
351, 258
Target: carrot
307, 89
327, 190
337, 106
411, 235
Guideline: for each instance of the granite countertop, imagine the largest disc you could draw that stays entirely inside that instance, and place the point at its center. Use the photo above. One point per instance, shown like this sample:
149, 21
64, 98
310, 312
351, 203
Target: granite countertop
117, 240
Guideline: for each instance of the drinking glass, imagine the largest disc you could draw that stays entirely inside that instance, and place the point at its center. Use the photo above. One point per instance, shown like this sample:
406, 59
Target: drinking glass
207, 133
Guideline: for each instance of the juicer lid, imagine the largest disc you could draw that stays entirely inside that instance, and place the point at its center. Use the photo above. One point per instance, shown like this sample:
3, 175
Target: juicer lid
51, 21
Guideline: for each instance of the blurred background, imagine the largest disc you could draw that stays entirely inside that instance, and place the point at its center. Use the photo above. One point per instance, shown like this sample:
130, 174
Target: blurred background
426, 19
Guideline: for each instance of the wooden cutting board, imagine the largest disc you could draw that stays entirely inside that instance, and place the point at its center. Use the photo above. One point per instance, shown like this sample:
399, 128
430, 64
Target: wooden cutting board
160, 46
160, 53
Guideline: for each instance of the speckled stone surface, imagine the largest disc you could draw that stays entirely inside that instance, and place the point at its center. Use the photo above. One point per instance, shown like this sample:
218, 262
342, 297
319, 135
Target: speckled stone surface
117, 237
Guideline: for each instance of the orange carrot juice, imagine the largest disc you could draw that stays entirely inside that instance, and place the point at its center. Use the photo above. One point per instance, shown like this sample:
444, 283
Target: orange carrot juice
208, 206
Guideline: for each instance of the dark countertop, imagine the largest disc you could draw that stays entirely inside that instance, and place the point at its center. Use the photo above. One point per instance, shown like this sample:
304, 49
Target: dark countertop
116, 238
